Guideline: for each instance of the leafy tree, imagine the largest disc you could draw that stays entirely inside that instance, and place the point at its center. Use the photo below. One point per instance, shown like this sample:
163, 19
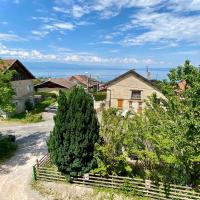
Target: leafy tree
6, 92
76, 130
109, 151
166, 138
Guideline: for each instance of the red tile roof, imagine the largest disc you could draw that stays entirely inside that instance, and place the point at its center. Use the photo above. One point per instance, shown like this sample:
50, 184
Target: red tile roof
84, 80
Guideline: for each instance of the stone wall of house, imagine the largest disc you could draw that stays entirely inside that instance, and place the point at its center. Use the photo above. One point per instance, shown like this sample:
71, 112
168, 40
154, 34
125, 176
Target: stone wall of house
24, 91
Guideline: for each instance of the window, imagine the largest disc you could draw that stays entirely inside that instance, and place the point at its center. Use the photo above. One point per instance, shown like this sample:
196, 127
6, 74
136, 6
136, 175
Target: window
136, 94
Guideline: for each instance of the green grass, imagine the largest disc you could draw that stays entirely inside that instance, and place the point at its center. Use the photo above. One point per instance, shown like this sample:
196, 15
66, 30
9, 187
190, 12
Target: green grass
7, 149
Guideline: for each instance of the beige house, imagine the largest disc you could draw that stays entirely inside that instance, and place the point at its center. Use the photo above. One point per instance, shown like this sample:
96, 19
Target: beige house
21, 83
54, 85
129, 91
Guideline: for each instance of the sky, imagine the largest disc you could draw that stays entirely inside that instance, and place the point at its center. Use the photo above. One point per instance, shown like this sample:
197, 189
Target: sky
49, 35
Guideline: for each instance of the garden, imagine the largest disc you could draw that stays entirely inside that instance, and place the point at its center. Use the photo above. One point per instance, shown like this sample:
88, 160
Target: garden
160, 145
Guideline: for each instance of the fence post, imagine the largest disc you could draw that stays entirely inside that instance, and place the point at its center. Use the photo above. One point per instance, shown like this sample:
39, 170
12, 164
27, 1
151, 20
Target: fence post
147, 186
34, 174
37, 163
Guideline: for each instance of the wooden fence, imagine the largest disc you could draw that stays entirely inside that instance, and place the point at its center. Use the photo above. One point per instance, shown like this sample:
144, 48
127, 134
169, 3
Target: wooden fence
147, 188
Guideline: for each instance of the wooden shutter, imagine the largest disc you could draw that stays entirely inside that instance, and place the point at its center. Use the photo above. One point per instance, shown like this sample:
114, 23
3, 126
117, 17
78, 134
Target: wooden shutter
120, 103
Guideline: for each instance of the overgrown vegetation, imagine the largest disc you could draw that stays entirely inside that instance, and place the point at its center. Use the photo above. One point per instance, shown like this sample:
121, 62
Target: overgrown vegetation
7, 147
163, 142
6, 92
71, 144
99, 96
33, 113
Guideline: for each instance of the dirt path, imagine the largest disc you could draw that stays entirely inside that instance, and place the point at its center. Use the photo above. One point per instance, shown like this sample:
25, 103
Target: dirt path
15, 174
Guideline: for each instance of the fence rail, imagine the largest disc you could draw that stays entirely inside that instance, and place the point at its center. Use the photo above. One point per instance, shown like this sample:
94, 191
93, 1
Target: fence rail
145, 187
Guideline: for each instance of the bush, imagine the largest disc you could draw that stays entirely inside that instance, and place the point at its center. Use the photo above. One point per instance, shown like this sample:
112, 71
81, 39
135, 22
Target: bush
100, 96
7, 147
46, 95
29, 105
33, 118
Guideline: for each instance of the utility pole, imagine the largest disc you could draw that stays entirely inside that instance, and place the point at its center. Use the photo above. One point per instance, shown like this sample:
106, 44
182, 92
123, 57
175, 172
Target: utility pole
148, 73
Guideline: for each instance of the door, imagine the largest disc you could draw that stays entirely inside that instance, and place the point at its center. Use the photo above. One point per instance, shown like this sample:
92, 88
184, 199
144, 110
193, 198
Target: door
120, 103
139, 110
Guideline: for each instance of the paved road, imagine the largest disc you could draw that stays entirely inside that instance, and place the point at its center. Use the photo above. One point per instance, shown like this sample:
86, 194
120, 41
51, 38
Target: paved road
15, 174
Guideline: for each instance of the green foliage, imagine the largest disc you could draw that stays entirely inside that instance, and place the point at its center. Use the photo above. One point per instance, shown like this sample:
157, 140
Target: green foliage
27, 117
109, 151
6, 92
166, 138
76, 130
45, 95
128, 190
100, 96
7, 148
33, 118
29, 105
46, 102
34, 112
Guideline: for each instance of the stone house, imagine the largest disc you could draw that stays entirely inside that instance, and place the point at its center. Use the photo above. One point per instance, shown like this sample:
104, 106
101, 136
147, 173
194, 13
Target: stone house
85, 81
129, 91
21, 83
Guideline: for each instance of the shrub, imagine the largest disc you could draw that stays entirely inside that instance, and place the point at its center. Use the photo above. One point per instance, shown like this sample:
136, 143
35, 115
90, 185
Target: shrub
46, 95
100, 96
28, 105
76, 130
7, 147
33, 118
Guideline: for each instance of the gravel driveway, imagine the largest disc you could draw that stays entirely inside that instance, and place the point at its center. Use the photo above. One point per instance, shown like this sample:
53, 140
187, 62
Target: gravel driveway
15, 174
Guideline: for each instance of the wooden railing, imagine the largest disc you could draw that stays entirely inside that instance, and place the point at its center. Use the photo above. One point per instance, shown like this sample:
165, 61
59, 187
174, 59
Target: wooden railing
146, 188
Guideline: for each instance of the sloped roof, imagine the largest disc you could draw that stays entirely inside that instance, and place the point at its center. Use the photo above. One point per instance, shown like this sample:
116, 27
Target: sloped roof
84, 79
59, 81
134, 73
6, 64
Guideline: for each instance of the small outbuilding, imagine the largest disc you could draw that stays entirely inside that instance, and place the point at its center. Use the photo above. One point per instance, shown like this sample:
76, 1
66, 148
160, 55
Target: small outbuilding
54, 85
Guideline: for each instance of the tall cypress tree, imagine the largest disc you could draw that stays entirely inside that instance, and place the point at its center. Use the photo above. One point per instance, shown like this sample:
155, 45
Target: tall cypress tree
76, 130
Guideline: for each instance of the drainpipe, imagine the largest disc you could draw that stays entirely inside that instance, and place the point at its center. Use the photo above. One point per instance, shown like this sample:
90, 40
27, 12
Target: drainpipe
109, 98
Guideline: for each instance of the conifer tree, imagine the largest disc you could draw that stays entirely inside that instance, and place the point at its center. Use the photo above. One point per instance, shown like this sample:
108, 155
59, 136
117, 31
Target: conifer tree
76, 130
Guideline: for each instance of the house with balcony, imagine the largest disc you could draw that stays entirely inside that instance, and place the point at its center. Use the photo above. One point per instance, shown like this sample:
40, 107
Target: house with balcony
21, 82
129, 91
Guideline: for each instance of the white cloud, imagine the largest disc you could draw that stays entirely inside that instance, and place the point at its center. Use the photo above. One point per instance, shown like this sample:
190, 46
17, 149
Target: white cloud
164, 28
10, 37
39, 34
83, 58
63, 25
149, 61
185, 5
78, 11
105, 8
